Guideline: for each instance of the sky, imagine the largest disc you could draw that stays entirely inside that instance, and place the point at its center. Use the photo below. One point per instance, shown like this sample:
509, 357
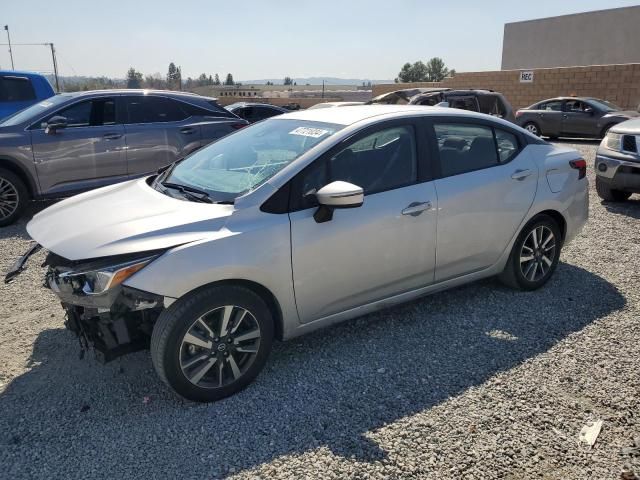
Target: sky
366, 39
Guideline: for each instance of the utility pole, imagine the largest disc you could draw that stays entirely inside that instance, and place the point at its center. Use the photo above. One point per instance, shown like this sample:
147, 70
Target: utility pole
6, 27
322, 88
55, 66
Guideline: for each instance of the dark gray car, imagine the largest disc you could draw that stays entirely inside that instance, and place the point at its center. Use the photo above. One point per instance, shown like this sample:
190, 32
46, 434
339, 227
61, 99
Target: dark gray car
475, 100
582, 117
78, 141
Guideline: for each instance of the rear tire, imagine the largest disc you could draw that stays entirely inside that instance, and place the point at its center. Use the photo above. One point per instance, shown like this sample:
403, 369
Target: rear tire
534, 256
14, 197
212, 342
608, 194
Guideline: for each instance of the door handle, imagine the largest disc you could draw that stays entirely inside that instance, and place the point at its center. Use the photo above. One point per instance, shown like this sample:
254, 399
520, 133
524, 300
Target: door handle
521, 174
416, 208
187, 130
112, 136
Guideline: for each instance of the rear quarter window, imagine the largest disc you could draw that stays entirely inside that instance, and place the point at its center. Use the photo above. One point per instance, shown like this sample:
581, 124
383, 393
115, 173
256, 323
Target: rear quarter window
16, 89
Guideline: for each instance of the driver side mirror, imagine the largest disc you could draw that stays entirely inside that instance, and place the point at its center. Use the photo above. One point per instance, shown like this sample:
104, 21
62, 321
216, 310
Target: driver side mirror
588, 111
55, 123
337, 194
443, 104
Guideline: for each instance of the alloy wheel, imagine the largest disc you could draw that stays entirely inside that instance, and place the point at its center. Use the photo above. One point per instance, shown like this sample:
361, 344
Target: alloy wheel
220, 346
9, 198
532, 128
537, 253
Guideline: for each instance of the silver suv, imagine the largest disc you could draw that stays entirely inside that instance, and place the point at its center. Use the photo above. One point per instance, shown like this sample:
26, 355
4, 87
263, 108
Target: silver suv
79, 141
618, 162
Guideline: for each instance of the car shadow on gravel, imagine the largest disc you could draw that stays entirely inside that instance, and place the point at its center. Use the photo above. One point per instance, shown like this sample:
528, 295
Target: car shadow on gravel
330, 389
629, 208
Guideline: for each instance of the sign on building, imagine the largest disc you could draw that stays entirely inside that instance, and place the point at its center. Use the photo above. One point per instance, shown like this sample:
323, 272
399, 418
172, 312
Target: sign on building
526, 76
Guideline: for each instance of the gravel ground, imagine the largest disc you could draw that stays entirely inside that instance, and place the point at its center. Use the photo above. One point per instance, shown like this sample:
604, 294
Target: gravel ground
480, 382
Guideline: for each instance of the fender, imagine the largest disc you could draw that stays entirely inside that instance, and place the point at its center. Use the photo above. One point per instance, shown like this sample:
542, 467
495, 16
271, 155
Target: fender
24, 173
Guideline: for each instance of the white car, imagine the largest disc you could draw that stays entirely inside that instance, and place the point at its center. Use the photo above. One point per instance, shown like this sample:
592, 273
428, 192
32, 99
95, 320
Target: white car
299, 222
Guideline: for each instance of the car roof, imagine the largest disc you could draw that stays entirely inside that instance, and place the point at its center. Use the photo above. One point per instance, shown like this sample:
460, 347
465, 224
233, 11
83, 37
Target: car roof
139, 91
20, 73
358, 113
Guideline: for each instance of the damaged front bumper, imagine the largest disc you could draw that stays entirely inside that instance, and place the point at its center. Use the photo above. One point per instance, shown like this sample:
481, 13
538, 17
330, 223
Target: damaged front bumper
123, 328
106, 315
110, 317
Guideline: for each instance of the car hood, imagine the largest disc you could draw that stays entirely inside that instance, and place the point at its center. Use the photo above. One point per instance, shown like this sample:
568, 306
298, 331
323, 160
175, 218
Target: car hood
630, 126
623, 113
129, 217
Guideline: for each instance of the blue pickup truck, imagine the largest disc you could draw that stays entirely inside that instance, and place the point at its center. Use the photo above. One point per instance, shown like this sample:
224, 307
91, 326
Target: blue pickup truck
19, 90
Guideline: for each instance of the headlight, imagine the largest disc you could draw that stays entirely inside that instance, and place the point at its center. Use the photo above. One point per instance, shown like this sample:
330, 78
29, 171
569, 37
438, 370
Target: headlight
613, 141
95, 282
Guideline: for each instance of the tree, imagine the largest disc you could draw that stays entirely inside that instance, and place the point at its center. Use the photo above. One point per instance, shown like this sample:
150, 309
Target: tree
202, 80
134, 78
155, 81
229, 80
189, 83
210, 80
413, 73
287, 81
174, 77
436, 70
216, 80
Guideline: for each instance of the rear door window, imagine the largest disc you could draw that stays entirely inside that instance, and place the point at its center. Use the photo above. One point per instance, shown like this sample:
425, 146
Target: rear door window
552, 106
463, 102
150, 109
16, 89
465, 148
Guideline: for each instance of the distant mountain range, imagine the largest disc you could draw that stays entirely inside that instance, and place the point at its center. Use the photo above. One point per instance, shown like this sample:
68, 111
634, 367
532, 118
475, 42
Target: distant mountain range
316, 81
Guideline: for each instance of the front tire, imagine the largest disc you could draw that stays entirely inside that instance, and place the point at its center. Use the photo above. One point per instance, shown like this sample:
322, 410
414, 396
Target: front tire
532, 127
213, 342
14, 197
534, 256
608, 194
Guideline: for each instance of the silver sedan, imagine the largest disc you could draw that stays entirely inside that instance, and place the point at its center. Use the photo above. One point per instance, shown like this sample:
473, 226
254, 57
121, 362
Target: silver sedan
299, 222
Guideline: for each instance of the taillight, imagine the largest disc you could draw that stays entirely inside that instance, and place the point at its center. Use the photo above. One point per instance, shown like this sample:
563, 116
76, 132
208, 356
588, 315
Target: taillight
238, 126
518, 114
581, 166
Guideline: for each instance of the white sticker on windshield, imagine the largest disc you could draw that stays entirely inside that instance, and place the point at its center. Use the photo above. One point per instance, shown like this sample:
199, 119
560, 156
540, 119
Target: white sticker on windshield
309, 132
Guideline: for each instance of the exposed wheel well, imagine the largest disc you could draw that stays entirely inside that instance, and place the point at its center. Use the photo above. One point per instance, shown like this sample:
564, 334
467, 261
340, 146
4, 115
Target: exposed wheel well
25, 177
559, 219
266, 295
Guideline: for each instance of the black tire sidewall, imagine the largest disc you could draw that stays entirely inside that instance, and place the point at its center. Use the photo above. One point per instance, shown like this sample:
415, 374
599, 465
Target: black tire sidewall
181, 315
23, 196
541, 220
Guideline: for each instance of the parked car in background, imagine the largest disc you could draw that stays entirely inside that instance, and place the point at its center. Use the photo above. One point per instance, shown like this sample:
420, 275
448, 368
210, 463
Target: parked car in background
474, 100
582, 117
19, 90
334, 104
77, 141
617, 164
299, 222
254, 112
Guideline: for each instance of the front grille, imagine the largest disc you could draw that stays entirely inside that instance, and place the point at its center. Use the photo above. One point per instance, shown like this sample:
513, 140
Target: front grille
629, 143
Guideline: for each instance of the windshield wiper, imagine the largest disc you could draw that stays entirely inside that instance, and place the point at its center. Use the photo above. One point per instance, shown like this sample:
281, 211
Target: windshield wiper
189, 192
